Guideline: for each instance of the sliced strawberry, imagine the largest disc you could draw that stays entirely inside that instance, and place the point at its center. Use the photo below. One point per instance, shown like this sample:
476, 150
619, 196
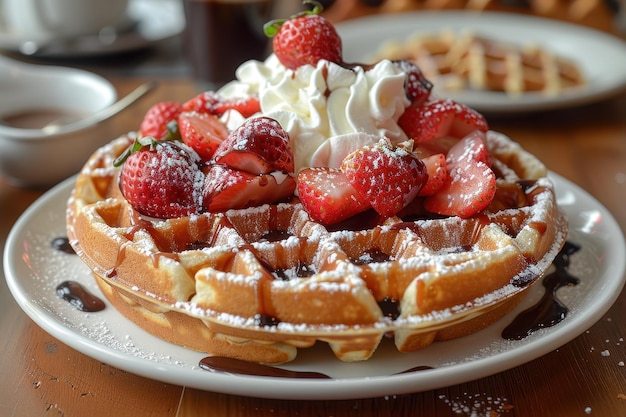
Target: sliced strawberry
202, 132
417, 87
439, 118
471, 184
157, 118
466, 121
437, 174
472, 147
327, 196
423, 122
304, 39
212, 103
468, 190
226, 188
259, 146
386, 176
162, 180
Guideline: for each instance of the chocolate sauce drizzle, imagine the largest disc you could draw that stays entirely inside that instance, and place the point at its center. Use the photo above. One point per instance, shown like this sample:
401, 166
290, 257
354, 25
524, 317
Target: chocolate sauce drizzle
71, 291
549, 310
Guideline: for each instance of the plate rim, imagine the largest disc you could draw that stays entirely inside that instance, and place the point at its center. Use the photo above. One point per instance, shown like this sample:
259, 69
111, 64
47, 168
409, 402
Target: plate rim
493, 102
340, 388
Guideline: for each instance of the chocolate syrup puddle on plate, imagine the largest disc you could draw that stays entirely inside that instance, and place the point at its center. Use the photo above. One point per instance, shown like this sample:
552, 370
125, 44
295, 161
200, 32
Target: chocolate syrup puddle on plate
78, 296
71, 291
240, 367
549, 310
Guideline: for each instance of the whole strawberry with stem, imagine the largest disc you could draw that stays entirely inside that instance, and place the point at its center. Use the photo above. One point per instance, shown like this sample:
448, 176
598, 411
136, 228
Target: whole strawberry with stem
304, 38
161, 179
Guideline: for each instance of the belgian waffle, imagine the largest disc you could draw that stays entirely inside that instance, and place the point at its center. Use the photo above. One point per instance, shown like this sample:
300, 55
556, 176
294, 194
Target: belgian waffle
260, 283
464, 60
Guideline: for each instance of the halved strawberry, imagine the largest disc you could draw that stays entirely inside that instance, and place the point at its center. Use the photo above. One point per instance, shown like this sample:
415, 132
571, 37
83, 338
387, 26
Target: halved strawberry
202, 132
472, 147
212, 103
471, 184
304, 39
161, 180
423, 122
468, 190
259, 146
387, 176
327, 196
437, 174
466, 121
226, 188
157, 118
439, 118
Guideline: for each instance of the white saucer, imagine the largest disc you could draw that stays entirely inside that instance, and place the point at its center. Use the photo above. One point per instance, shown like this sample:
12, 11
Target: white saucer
149, 22
33, 270
601, 57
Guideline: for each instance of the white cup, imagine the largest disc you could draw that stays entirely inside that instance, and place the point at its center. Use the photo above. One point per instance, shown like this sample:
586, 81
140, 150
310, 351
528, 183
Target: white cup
62, 18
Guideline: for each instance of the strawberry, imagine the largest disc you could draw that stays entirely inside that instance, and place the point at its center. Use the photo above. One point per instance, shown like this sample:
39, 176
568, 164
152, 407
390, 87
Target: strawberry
417, 86
468, 190
160, 180
386, 176
466, 121
437, 174
327, 196
472, 147
439, 118
202, 132
304, 39
471, 184
157, 118
423, 122
226, 188
259, 146
212, 103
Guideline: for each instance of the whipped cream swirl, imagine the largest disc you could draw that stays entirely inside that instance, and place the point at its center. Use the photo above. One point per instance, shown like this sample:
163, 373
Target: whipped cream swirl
328, 110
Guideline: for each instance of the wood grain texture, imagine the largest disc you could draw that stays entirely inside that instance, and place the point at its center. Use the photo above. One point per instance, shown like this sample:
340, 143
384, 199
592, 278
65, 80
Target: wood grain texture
586, 377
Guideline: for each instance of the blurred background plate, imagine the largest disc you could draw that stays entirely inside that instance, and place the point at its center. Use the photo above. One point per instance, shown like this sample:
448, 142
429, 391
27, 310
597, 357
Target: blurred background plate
600, 56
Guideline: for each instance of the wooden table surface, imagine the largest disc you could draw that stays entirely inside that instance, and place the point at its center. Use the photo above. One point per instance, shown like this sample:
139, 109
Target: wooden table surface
41, 376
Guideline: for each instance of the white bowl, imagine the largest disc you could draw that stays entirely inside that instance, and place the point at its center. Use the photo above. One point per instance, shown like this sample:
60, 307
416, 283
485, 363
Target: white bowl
36, 157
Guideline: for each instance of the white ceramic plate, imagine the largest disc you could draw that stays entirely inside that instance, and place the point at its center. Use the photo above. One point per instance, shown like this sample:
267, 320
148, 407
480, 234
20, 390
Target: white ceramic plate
33, 270
149, 22
601, 57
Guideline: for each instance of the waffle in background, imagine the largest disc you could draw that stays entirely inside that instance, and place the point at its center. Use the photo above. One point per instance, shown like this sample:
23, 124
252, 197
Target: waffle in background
597, 14
466, 61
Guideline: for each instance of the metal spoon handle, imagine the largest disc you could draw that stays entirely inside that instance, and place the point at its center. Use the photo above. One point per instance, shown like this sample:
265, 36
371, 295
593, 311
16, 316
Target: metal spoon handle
125, 101
110, 111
